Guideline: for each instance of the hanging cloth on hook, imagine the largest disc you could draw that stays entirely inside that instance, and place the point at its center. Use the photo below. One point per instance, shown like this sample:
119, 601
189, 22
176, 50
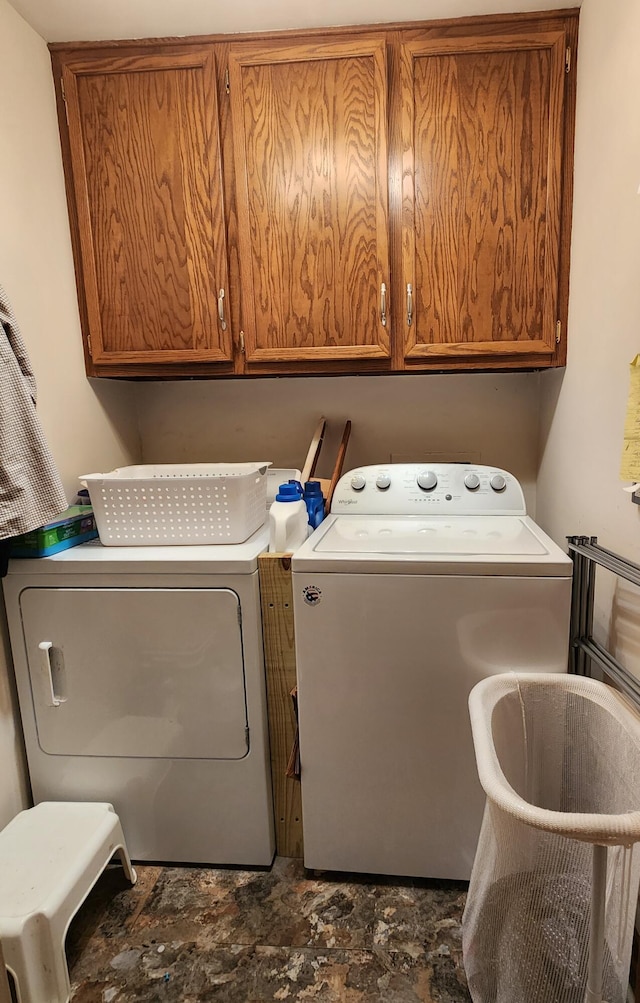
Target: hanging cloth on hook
31, 493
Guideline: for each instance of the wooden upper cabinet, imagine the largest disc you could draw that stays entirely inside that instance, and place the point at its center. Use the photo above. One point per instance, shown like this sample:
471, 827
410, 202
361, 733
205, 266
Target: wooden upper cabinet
310, 146
145, 156
482, 135
395, 198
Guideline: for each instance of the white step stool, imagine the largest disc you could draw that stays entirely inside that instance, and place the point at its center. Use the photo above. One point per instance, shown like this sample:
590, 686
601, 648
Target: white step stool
50, 858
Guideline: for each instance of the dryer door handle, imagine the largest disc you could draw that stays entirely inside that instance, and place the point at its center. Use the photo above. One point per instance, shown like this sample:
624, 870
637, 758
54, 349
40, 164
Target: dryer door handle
47, 671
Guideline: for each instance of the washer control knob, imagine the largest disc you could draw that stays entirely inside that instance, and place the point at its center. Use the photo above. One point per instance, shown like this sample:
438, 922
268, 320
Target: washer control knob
427, 480
498, 483
358, 482
472, 482
383, 481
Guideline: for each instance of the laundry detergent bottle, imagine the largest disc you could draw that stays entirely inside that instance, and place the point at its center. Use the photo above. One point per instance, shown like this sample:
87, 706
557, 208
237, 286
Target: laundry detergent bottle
288, 520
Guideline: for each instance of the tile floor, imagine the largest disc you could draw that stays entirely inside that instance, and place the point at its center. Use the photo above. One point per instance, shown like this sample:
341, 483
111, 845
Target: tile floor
186, 935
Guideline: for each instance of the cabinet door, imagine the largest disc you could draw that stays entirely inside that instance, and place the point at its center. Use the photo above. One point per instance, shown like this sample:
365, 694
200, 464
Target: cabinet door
145, 154
309, 127
482, 127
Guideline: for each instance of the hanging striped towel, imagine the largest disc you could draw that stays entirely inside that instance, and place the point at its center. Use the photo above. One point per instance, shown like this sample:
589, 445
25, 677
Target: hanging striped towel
31, 493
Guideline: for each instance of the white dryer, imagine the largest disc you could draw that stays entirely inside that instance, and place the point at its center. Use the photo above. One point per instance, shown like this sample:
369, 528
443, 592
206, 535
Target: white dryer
420, 583
141, 682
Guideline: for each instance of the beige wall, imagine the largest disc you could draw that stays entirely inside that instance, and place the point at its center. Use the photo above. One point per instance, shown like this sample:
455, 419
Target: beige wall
489, 419
63, 20
579, 490
86, 428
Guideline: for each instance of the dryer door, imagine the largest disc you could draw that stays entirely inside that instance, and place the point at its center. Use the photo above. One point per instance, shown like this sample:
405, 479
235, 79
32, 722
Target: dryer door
147, 673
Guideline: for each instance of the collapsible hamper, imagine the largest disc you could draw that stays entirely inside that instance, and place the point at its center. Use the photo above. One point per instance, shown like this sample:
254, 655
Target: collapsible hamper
552, 898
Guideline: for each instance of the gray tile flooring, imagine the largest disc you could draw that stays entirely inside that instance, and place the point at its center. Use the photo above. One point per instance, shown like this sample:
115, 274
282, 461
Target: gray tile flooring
185, 935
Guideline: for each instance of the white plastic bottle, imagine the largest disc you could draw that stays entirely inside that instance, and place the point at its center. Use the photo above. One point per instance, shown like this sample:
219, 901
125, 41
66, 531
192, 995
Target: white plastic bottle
288, 520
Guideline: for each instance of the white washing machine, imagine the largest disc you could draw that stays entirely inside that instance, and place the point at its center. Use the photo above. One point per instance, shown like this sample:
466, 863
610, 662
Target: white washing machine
141, 682
420, 583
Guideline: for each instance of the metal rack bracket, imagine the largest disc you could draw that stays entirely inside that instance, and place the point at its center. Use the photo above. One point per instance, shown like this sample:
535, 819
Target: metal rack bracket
587, 555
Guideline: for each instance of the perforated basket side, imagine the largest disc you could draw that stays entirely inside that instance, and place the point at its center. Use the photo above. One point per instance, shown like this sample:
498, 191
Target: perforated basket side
178, 511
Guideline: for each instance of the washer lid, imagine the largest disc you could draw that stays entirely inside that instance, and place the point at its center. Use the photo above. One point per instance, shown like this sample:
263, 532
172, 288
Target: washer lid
512, 545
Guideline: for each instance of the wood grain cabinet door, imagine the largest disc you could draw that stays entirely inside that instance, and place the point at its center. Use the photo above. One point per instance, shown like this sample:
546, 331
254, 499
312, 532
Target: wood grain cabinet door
145, 157
482, 123
310, 145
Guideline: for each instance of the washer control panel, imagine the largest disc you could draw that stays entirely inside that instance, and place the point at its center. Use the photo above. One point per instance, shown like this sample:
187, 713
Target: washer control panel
437, 488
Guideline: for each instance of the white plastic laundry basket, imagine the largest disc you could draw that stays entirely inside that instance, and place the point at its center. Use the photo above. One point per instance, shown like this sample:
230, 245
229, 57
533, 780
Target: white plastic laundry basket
178, 504
549, 917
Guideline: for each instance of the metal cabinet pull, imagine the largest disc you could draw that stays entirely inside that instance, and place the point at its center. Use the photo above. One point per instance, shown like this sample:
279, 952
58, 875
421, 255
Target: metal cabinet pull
223, 323
409, 304
383, 305
45, 648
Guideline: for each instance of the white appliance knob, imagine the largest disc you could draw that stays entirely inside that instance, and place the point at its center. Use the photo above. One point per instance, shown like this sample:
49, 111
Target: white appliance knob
472, 482
427, 480
383, 481
498, 483
358, 481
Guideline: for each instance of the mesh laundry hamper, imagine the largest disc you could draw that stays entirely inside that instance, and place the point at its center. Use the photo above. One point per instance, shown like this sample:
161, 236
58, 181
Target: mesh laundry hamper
552, 898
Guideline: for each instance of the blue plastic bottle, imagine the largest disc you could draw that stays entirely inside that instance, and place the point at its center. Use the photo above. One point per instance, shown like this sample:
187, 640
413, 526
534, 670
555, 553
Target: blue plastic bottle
296, 484
315, 503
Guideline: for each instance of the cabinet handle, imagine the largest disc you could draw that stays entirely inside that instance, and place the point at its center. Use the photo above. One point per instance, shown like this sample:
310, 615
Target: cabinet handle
383, 305
223, 323
409, 304
45, 648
